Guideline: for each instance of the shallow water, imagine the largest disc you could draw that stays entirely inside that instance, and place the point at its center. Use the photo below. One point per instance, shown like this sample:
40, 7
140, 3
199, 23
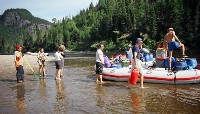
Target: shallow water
78, 93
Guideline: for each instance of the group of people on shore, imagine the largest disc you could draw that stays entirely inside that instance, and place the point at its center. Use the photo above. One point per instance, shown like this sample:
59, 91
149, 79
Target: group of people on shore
42, 57
170, 43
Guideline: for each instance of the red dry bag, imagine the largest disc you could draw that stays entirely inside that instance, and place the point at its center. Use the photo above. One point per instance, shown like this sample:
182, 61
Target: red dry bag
134, 76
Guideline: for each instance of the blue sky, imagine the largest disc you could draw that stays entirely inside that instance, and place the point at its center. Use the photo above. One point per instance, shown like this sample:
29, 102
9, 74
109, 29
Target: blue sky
48, 9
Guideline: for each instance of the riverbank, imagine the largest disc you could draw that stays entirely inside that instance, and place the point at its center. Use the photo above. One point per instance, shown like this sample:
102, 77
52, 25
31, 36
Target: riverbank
8, 67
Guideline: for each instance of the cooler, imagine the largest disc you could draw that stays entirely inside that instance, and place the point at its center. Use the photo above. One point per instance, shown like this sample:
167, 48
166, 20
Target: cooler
160, 62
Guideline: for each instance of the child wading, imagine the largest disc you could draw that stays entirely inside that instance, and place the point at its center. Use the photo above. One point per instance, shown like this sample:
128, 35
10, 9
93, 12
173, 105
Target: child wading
19, 64
62, 49
41, 60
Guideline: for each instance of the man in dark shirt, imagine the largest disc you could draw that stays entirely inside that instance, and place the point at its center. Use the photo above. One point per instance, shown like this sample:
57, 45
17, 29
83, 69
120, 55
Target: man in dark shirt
136, 59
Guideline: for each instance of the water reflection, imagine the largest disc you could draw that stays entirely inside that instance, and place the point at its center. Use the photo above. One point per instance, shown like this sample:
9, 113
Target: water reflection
61, 103
20, 103
100, 93
137, 97
42, 90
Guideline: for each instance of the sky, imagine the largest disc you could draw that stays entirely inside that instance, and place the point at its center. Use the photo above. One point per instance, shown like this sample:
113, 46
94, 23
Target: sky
48, 9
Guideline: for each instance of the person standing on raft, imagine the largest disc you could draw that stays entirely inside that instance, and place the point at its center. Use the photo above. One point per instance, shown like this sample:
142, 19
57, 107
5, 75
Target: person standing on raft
170, 40
136, 59
19, 64
99, 63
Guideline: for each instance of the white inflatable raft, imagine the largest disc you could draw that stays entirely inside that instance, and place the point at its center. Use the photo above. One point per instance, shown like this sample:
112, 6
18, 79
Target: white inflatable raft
157, 75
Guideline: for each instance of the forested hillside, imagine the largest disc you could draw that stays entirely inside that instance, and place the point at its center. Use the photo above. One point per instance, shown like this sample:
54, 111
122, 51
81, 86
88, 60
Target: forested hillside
118, 22
19, 26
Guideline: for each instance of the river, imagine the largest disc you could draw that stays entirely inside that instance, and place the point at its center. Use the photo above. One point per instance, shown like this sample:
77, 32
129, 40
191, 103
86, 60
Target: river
78, 93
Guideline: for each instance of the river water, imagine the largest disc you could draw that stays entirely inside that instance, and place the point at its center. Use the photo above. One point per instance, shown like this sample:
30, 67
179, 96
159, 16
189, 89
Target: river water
78, 93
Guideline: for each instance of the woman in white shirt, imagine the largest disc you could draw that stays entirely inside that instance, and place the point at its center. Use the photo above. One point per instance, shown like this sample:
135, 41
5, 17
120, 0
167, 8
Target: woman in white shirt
58, 63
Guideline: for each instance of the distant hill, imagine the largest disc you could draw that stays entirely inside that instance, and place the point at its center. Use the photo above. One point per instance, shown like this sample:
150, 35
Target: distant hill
21, 14
19, 26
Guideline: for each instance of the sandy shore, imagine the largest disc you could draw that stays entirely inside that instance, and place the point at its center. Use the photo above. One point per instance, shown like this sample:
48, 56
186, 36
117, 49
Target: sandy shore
8, 67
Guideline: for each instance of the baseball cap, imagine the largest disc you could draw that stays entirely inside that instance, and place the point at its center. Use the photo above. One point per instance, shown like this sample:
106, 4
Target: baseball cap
139, 40
18, 46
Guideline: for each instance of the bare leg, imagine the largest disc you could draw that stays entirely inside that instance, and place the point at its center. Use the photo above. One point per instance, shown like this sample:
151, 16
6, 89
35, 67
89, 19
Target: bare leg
170, 59
141, 80
58, 75
44, 70
61, 73
101, 81
97, 78
183, 49
40, 70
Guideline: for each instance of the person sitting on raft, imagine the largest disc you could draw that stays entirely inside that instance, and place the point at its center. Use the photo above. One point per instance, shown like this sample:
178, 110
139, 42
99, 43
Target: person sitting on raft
170, 39
107, 62
161, 50
129, 53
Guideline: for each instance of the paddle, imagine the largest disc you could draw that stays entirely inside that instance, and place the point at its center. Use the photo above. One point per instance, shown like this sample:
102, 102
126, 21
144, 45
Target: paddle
36, 76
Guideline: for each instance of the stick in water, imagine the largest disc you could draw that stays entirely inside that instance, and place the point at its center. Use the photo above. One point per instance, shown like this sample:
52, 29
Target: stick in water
36, 76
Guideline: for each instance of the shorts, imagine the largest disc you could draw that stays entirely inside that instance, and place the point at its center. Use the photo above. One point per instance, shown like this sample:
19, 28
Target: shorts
58, 64
41, 62
139, 66
99, 68
173, 45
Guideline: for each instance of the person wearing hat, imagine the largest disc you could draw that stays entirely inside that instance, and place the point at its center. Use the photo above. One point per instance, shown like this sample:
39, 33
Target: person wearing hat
170, 40
19, 64
136, 59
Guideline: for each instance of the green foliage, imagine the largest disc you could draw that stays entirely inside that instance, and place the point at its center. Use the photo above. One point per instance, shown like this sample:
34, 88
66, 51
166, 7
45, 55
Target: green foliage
11, 35
118, 23
150, 44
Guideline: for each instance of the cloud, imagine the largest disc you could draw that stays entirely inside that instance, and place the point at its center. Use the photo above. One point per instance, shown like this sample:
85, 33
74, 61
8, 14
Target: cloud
48, 9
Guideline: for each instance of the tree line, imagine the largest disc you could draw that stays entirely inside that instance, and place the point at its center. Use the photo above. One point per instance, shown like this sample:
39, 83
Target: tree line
118, 23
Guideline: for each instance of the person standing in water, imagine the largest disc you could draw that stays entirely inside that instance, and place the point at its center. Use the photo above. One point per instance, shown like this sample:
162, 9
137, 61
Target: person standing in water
41, 60
136, 63
170, 40
19, 64
99, 63
62, 49
58, 63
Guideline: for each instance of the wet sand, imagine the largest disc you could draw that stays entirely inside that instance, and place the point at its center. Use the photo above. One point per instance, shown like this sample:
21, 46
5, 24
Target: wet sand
78, 93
